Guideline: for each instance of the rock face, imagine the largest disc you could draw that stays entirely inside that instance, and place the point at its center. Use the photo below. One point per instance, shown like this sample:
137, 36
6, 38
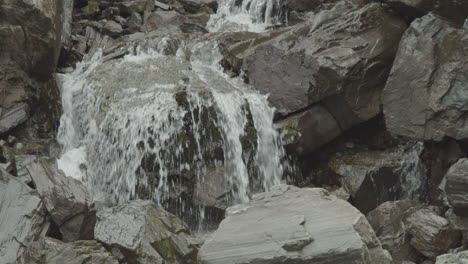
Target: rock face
428, 102
374, 177
22, 217
293, 225
388, 221
52, 251
456, 187
456, 258
142, 232
65, 198
431, 234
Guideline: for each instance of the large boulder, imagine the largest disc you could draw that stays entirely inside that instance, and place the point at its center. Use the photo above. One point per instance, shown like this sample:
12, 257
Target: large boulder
454, 10
374, 177
143, 232
388, 221
454, 258
293, 225
431, 234
425, 96
456, 187
22, 217
66, 199
48, 250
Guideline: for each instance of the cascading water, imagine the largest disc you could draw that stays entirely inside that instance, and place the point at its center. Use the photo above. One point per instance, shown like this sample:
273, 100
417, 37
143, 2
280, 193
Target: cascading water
248, 15
172, 128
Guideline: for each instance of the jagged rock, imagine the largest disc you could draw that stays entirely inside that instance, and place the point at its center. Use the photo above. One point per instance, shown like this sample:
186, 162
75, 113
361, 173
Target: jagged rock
431, 234
374, 177
305, 132
459, 223
212, 189
112, 28
428, 102
65, 198
342, 52
130, 6
52, 251
195, 6
162, 19
456, 187
453, 10
388, 222
144, 232
22, 217
12, 117
111, 12
293, 225
454, 258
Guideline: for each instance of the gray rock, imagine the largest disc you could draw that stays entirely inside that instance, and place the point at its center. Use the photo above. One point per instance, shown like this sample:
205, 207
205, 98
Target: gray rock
212, 188
22, 217
131, 6
11, 118
456, 187
431, 234
428, 102
374, 177
293, 225
455, 258
388, 222
65, 198
52, 251
112, 28
144, 232
162, 19
332, 54
459, 223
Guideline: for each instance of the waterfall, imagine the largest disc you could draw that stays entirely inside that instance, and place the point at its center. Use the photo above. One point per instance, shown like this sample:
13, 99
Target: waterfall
248, 15
150, 126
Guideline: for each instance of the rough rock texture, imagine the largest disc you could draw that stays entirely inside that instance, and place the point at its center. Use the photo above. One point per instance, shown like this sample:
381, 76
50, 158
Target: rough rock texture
131, 6
374, 177
456, 187
459, 223
52, 251
425, 96
65, 198
387, 220
455, 258
454, 10
142, 232
293, 225
431, 234
12, 117
22, 217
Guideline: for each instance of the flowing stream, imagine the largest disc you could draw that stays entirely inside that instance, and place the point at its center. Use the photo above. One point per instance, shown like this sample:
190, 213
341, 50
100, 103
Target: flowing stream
165, 127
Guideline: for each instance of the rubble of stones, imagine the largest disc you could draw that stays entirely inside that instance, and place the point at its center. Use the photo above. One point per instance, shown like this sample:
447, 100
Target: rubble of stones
371, 100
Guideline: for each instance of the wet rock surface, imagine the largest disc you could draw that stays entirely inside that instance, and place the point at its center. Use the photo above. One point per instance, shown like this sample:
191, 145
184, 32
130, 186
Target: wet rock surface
428, 102
291, 225
456, 187
459, 258
143, 232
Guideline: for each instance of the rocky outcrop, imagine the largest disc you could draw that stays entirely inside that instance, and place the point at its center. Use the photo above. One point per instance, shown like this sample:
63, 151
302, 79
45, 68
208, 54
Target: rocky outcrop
388, 221
143, 232
52, 251
22, 217
456, 187
454, 258
428, 102
293, 225
65, 198
431, 234
374, 177
453, 10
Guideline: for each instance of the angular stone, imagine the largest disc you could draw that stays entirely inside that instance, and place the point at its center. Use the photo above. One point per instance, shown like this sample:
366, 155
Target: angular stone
143, 232
293, 225
52, 251
65, 198
162, 19
22, 217
454, 258
131, 6
388, 222
374, 177
11, 118
430, 102
431, 234
112, 28
456, 187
